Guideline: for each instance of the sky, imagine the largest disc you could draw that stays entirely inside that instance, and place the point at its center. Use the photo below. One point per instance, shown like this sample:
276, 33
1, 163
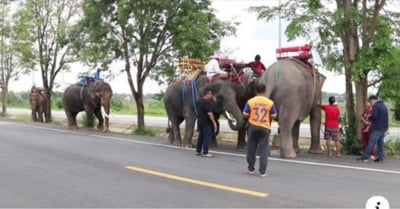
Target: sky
252, 37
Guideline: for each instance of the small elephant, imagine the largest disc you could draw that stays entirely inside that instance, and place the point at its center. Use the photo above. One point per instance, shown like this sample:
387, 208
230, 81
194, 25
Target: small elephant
90, 98
39, 101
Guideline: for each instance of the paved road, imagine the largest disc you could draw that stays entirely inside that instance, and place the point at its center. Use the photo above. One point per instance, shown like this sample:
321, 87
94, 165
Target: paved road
44, 165
162, 122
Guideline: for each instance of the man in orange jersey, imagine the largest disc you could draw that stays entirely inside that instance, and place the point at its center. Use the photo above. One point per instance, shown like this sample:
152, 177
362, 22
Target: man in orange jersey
259, 111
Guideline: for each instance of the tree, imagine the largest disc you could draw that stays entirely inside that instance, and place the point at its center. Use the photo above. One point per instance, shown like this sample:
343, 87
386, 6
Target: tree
47, 25
353, 37
9, 58
146, 35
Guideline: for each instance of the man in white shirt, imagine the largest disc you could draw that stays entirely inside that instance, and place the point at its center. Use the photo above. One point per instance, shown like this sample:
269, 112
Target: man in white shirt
213, 69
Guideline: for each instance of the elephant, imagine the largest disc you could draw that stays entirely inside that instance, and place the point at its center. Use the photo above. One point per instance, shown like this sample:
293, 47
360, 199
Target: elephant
295, 88
90, 98
180, 104
39, 101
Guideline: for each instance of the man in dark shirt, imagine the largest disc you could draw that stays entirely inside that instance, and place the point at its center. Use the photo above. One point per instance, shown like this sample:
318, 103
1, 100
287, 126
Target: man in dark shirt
205, 123
379, 126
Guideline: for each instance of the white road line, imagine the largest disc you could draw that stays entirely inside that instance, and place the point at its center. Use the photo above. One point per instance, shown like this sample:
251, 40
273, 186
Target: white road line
217, 152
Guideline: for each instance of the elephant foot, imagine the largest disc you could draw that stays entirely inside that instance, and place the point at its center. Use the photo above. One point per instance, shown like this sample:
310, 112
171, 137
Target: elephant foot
214, 144
288, 154
100, 128
297, 150
241, 145
316, 151
105, 130
179, 144
73, 127
187, 145
90, 129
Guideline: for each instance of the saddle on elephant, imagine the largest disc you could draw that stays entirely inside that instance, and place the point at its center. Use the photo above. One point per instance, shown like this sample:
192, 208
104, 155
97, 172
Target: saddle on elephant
189, 68
300, 54
38, 90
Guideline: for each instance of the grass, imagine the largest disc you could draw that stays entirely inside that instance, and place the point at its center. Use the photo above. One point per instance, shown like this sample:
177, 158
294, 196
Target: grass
145, 131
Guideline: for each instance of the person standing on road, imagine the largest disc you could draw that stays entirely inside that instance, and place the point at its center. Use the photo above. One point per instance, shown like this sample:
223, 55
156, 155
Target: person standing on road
332, 116
365, 127
379, 126
259, 111
205, 123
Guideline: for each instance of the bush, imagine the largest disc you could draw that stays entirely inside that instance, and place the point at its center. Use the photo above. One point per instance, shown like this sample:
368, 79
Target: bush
84, 121
144, 131
58, 103
116, 105
394, 146
351, 145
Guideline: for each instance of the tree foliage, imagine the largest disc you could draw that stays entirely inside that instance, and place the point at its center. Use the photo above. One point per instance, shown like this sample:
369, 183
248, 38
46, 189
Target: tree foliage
46, 27
10, 44
147, 35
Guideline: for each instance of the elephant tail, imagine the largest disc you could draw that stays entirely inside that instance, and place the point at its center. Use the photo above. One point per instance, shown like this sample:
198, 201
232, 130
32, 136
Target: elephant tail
168, 129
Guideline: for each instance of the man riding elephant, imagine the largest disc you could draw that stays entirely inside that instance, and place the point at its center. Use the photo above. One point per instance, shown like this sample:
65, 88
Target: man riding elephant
90, 98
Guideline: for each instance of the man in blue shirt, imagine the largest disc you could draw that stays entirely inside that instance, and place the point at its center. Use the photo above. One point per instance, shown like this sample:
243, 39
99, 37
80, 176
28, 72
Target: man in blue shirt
379, 126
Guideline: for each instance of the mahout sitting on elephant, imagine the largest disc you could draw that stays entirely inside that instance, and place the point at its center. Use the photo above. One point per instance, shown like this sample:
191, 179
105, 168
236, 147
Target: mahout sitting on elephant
295, 88
39, 101
90, 98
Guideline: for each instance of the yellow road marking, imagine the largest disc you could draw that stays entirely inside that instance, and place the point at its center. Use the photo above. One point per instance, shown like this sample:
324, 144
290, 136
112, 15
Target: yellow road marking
202, 183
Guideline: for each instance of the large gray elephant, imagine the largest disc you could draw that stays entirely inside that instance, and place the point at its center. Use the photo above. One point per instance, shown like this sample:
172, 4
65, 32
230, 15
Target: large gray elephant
295, 87
90, 98
180, 99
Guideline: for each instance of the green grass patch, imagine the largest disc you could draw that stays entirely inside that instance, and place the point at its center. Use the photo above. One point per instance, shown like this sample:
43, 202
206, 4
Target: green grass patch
145, 131
23, 117
393, 147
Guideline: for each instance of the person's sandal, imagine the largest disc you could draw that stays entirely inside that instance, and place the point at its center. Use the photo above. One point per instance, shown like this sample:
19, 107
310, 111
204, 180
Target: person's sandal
207, 155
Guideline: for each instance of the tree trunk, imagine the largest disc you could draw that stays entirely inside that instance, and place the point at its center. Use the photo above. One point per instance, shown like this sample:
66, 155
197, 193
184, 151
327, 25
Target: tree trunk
140, 110
361, 96
4, 100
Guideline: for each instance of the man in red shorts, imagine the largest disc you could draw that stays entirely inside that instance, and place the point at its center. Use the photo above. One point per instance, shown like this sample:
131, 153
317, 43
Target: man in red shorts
332, 114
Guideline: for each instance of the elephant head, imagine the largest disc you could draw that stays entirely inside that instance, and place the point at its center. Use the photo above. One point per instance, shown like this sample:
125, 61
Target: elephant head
226, 100
101, 93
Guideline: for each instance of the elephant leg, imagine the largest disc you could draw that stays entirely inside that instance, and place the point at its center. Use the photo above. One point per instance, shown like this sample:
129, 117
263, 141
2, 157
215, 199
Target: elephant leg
287, 150
189, 128
33, 115
295, 134
241, 140
315, 126
40, 112
90, 117
71, 117
100, 118
176, 134
214, 142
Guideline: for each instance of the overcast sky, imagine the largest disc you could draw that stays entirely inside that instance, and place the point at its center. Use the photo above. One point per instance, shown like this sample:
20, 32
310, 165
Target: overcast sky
252, 37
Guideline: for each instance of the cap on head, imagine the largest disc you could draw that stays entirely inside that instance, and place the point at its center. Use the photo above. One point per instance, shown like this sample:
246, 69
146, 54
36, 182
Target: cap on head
257, 58
331, 100
216, 55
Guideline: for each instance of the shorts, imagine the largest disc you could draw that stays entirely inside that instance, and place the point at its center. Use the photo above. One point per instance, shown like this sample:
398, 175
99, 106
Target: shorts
331, 133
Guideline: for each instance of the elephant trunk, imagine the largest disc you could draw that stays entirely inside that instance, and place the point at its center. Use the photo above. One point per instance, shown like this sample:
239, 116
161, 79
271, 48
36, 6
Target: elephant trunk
238, 121
105, 103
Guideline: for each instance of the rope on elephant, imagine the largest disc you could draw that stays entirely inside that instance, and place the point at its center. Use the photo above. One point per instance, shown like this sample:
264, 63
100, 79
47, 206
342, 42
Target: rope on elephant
194, 92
